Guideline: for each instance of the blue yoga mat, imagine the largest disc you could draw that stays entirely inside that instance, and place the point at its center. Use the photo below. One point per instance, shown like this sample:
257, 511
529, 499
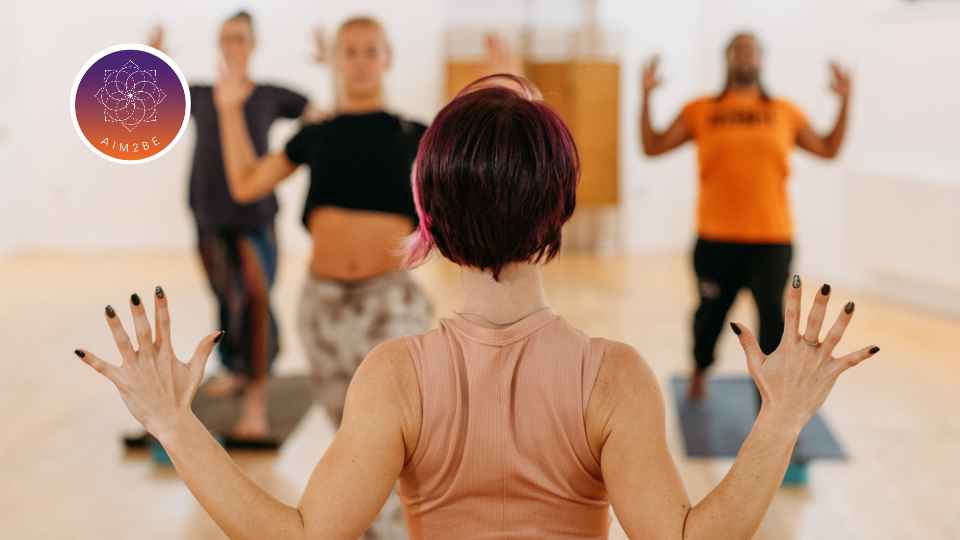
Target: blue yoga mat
718, 425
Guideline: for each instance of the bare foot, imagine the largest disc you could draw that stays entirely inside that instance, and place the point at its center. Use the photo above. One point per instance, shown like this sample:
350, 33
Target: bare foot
252, 423
225, 385
698, 388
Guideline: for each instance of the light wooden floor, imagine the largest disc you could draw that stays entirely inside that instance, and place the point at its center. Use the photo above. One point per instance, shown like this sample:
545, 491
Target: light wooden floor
64, 474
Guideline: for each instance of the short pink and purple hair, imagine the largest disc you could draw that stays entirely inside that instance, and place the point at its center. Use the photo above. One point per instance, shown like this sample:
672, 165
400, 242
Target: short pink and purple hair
495, 178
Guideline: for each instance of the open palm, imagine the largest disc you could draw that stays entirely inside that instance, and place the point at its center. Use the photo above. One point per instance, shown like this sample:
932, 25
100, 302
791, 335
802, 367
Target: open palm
796, 379
651, 78
839, 80
155, 386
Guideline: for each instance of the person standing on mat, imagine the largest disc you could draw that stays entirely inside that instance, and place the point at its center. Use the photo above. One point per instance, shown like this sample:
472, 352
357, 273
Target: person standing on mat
744, 137
236, 240
506, 421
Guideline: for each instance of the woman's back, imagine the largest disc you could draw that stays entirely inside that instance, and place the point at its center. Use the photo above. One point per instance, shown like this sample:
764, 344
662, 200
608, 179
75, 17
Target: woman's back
502, 450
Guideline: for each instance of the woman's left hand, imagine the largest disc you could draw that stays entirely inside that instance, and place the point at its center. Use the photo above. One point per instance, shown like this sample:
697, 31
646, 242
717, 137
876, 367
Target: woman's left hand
156, 387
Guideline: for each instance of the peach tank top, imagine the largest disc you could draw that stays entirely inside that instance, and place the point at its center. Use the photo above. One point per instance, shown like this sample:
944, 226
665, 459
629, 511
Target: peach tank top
503, 449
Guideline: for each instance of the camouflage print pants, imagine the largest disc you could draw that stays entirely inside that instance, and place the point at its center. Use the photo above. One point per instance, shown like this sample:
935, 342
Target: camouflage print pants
340, 322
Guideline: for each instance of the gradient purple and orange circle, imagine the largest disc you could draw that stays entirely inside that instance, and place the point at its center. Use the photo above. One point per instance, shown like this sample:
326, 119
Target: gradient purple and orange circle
130, 103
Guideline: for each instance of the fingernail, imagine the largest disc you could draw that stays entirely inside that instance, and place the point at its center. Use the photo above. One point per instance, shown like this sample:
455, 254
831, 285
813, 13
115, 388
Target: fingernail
796, 281
219, 336
848, 308
79, 353
135, 298
736, 329
825, 290
110, 312
874, 350
159, 291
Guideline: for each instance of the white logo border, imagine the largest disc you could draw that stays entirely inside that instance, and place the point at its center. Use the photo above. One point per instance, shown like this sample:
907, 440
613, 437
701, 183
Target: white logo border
184, 123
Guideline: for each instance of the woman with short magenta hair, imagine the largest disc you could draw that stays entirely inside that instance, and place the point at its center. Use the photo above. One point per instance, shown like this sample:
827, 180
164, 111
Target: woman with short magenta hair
505, 421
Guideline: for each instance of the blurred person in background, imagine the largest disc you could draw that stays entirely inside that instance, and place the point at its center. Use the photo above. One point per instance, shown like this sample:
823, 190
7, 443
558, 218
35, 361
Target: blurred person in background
236, 239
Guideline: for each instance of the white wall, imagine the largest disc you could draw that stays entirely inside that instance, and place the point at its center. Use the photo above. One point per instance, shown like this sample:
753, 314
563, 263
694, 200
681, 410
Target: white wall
658, 194
905, 108
63, 196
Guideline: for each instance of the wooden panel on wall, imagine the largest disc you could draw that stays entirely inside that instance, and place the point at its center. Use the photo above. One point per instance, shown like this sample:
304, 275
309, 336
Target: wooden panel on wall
596, 121
586, 94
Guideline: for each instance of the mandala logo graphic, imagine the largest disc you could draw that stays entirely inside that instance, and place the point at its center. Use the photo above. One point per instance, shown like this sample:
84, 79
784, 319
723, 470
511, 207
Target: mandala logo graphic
130, 103
130, 95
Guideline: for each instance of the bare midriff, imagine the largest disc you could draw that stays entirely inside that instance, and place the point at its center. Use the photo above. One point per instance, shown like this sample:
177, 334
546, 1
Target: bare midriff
353, 245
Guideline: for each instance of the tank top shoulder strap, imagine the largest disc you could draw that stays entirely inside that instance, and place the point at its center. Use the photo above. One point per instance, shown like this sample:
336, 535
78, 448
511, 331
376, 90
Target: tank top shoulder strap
435, 376
591, 367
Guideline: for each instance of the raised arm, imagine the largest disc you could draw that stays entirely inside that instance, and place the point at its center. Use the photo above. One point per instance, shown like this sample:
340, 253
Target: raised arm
499, 57
155, 38
655, 143
248, 177
348, 486
828, 146
645, 490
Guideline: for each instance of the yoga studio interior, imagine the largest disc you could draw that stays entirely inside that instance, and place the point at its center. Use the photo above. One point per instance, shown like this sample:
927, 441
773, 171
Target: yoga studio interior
511, 269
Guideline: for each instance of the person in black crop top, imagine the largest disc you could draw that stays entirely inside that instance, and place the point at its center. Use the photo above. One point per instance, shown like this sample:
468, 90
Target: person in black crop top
359, 161
235, 240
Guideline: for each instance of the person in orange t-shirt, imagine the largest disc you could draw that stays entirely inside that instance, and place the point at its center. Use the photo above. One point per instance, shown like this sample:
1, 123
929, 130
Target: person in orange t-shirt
744, 138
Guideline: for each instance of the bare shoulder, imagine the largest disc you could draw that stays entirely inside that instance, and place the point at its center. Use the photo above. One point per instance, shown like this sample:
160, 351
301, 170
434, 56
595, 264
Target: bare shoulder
389, 367
626, 392
389, 371
623, 369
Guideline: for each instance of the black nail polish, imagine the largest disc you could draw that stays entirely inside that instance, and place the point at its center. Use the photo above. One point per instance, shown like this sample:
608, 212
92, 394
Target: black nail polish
848, 308
79, 353
219, 336
874, 350
796, 281
135, 298
159, 291
110, 312
825, 290
736, 329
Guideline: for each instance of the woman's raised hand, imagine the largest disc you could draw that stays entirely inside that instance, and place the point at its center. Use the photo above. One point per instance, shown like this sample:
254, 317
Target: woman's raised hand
231, 89
796, 379
156, 387
321, 54
500, 57
155, 37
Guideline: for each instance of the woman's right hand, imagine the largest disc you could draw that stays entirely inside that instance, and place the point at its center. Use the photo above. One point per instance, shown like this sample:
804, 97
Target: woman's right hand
231, 89
796, 379
157, 388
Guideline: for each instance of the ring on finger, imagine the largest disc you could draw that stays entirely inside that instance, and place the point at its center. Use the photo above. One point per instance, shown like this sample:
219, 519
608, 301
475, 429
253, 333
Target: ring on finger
812, 343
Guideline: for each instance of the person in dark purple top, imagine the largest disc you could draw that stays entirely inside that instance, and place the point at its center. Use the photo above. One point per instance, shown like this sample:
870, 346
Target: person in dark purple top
236, 241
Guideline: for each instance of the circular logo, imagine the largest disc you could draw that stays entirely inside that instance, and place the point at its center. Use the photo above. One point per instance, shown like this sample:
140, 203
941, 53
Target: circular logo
130, 103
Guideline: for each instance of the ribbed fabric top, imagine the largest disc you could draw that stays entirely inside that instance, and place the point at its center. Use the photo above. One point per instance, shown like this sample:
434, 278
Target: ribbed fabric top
503, 449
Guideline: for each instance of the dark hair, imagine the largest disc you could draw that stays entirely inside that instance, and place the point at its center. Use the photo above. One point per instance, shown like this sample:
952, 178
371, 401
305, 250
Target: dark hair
242, 15
495, 178
728, 84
